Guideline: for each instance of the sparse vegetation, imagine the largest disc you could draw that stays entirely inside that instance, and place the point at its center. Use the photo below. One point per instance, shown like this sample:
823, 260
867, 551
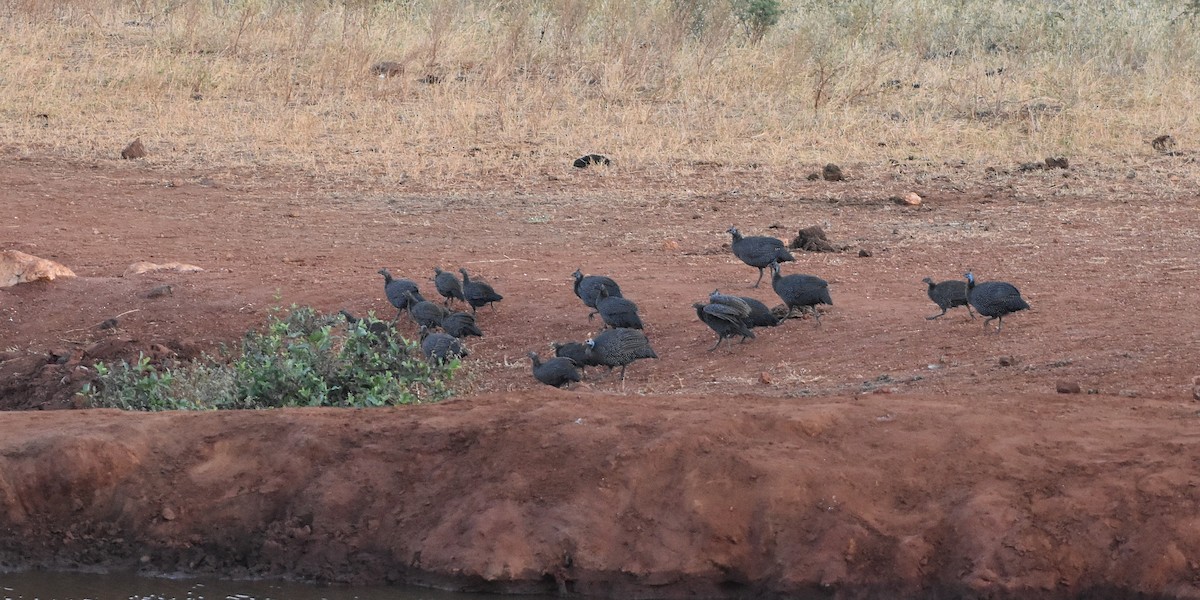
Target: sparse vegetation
301, 358
286, 87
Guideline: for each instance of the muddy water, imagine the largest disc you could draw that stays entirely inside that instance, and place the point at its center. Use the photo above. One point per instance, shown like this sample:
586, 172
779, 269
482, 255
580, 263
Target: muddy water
82, 586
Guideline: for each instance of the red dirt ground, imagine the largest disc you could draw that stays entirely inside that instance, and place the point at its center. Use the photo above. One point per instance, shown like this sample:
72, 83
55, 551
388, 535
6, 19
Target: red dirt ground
877, 454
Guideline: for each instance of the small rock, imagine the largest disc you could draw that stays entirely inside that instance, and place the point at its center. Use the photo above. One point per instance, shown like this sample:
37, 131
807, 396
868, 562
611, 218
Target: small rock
909, 199
584, 162
108, 324
1007, 361
764, 378
864, 253
168, 514
1196, 393
160, 291
813, 176
1067, 387
1032, 166
670, 246
135, 149
832, 172
1060, 162
1128, 393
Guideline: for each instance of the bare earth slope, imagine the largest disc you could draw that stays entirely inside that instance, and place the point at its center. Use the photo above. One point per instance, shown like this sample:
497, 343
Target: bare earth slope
877, 454
603, 494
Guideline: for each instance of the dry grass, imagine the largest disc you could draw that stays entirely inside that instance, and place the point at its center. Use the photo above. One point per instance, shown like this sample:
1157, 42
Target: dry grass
494, 90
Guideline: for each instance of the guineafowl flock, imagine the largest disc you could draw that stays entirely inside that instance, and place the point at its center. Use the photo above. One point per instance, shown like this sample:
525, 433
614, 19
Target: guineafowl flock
623, 339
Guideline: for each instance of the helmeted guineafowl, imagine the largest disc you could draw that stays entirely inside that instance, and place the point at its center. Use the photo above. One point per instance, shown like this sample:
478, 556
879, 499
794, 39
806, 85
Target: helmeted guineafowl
618, 348
397, 291
379, 330
617, 311
736, 303
947, 295
441, 347
804, 292
759, 251
724, 319
757, 316
994, 299
478, 293
461, 324
577, 352
447, 285
587, 288
558, 371
426, 313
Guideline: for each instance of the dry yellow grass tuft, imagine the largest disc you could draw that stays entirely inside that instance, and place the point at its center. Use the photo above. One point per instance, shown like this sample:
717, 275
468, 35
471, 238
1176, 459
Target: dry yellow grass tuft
519, 89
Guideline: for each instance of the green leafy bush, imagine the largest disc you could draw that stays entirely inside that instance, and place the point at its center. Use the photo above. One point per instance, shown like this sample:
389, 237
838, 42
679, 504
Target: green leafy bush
757, 16
301, 358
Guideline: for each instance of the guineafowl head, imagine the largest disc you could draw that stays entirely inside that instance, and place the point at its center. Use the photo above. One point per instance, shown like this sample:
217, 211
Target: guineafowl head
970, 278
928, 280
533, 356
424, 333
590, 343
577, 275
774, 267
734, 232
387, 277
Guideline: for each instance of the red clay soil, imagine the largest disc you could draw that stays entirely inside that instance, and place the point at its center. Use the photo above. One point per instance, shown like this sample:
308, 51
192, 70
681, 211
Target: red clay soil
877, 455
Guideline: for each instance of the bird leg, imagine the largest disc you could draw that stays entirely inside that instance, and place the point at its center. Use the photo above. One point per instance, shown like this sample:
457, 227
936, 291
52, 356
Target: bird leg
622, 377
720, 338
816, 315
970, 312
936, 316
760, 276
989, 320
1000, 323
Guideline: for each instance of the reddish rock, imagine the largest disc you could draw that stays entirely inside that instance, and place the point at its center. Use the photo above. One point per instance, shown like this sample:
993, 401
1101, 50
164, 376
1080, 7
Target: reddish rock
1067, 387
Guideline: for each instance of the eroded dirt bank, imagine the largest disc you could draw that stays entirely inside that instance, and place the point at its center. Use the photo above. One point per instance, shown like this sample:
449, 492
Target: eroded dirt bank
627, 496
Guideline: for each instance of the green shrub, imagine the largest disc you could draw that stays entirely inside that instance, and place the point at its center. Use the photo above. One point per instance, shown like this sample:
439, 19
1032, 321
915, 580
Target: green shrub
757, 16
302, 358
